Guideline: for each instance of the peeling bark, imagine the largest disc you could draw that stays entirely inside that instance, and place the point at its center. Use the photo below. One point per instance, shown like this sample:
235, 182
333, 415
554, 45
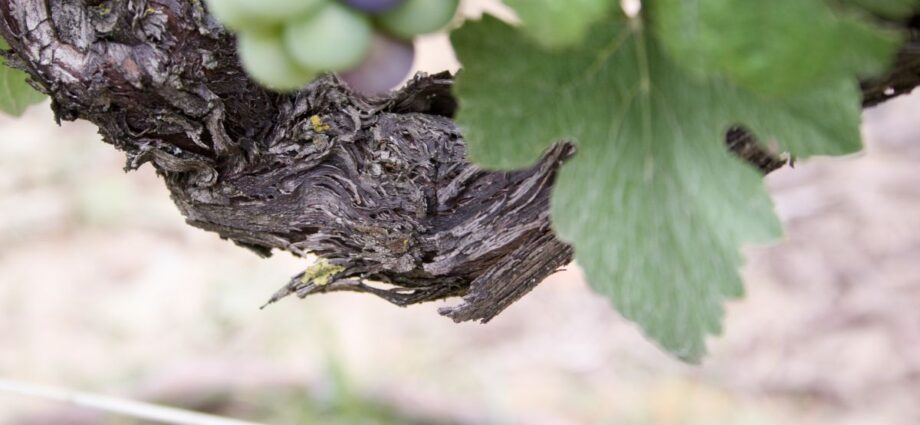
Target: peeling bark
380, 187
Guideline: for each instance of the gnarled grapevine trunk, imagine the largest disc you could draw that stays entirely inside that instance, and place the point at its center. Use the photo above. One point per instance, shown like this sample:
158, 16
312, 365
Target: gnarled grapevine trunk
380, 187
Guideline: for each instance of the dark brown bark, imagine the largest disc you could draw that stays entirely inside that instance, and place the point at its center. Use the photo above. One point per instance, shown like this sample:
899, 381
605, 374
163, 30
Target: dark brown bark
904, 75
380, 187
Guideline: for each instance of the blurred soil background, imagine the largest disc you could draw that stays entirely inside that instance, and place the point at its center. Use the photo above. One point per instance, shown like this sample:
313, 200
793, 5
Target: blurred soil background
103, 288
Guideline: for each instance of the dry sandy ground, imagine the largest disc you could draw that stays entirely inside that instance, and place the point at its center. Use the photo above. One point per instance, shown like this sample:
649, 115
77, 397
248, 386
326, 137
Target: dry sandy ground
104, 288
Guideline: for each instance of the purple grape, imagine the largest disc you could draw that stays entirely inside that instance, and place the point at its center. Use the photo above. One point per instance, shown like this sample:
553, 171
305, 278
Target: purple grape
388, 63
374, 6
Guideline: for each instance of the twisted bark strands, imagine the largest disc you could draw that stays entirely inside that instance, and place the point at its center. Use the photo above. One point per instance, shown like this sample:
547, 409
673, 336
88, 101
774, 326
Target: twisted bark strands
380, 187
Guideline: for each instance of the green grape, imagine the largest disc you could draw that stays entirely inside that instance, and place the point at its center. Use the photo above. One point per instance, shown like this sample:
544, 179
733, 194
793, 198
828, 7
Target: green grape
281, 11
242, 15
415, 17
335, 38
266, 60
231, 14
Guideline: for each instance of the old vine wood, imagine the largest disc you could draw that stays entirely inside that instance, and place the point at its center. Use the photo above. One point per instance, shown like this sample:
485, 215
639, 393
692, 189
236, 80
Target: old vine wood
380, 187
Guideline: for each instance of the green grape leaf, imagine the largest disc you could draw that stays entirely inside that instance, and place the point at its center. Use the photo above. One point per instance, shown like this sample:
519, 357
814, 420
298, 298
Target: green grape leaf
886, 8
557, 24
775, 47
653, 203
15, 94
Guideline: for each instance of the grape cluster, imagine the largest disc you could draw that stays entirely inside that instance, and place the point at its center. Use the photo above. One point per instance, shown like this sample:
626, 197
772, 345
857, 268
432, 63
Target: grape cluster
284, 44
